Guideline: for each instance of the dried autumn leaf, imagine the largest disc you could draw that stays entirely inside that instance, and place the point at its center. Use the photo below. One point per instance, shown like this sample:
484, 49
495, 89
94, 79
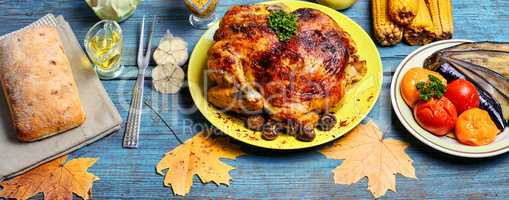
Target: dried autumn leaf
199, 155
365, 153
55, 180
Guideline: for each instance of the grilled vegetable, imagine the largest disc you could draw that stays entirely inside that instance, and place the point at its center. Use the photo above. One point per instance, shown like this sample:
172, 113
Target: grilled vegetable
437, 116
492, 55
497, 61
499, 82
409, 91
402, 12
474, 127
487, 102
386, 32
448, 72
481, 82
470, 50
441, 14
463, 95
484, 45
421, 30
493, 107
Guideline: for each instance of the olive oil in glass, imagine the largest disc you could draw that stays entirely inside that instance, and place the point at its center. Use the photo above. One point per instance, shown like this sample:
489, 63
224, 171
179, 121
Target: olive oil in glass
103, 44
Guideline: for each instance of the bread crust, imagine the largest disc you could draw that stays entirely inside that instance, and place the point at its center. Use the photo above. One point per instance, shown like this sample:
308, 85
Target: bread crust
38, 84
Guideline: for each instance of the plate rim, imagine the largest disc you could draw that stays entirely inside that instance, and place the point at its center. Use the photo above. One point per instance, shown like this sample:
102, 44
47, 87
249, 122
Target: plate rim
378, 87
415, 133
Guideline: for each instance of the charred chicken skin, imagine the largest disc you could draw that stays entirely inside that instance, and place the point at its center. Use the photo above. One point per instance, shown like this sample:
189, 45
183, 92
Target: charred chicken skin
252, 71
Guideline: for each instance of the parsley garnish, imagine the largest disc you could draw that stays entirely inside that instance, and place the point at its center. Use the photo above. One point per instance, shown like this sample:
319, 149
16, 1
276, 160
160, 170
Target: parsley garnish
284, 24
434, 88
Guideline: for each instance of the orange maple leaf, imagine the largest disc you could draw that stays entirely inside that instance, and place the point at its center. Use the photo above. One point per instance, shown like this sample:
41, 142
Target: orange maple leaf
365, 153
199, 155
54, 179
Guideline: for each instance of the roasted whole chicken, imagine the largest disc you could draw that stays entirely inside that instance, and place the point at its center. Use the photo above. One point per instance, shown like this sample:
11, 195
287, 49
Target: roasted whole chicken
295, 82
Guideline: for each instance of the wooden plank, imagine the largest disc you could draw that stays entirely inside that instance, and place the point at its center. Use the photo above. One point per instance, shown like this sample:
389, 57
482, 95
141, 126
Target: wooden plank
300, 174
130, 174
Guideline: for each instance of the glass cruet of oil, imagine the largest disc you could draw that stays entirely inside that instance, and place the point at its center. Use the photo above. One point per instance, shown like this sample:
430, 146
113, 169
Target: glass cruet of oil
103, 44
203, 12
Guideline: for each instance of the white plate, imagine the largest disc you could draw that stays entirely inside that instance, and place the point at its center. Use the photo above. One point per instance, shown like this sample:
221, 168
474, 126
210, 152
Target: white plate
404, 113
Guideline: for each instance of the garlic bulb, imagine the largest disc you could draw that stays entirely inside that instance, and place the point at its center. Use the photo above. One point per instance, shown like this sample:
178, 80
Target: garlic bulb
168, 79
171, 50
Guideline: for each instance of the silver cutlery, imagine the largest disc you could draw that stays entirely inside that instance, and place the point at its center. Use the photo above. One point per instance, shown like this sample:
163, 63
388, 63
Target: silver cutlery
132, 132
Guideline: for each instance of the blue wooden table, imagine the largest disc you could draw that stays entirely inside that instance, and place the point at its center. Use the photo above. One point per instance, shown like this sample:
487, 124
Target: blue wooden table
305, 174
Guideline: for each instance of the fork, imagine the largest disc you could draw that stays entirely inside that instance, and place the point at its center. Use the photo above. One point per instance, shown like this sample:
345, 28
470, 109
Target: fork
132, 132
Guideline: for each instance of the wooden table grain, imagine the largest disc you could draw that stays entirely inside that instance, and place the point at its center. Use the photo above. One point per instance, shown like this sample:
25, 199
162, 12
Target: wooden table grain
305, 174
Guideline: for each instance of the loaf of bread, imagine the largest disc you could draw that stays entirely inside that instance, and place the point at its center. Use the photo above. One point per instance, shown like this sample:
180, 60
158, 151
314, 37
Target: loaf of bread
38, 84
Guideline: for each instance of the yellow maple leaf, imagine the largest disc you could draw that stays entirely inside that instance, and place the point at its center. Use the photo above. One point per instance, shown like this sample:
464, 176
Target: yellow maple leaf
365, 153
56, 180
199, 155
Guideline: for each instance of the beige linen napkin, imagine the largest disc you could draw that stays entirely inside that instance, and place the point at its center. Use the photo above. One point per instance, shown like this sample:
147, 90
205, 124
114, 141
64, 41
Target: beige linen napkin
102, 118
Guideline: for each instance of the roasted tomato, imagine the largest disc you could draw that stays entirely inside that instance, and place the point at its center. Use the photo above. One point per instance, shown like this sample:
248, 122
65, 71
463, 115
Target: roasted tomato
415, 75
463, 95
474, 127
438, 116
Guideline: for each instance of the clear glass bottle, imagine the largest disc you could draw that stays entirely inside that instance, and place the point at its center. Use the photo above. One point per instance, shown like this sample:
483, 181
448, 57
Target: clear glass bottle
104, 45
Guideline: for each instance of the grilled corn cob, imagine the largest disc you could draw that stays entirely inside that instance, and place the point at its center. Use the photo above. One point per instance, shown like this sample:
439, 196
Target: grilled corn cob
441, 14
421, 30
387, 33
402, 12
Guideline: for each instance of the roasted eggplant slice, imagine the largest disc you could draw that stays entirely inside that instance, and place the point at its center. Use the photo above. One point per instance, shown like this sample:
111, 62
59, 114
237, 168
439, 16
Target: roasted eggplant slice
493, 108
484, 45
490, 49
497, 61
487, 102
448, 72
495, 87
500, 82
481, 83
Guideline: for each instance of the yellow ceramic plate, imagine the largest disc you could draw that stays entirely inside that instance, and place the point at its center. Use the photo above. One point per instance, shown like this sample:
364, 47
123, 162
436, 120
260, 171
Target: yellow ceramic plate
357, 103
